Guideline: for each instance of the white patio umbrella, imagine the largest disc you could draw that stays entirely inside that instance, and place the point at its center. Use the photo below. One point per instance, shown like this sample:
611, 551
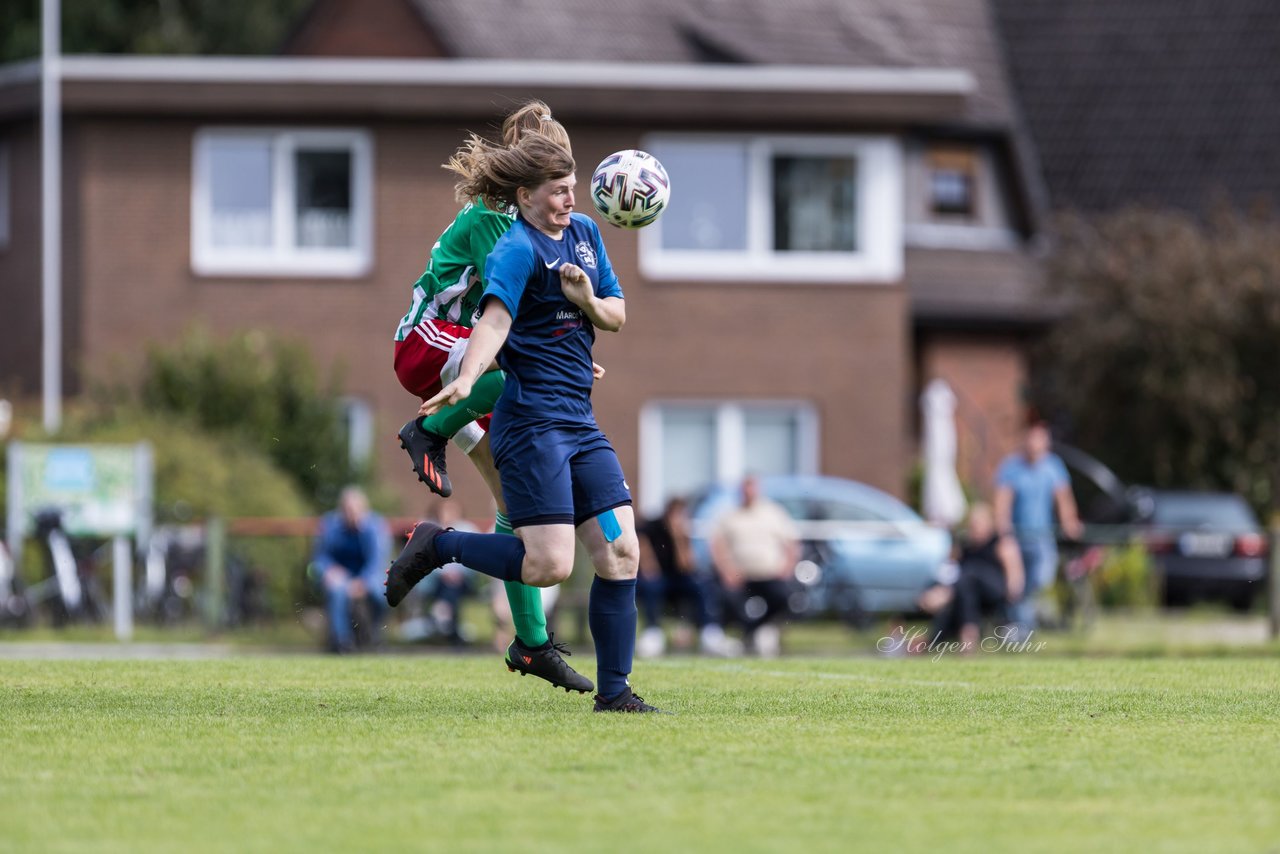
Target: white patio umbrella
943, 499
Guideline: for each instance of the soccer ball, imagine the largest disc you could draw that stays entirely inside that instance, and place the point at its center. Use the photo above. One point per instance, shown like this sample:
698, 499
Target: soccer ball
630, 188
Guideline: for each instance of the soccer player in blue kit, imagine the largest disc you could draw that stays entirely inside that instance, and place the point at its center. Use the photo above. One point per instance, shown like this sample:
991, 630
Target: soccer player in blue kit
550, 285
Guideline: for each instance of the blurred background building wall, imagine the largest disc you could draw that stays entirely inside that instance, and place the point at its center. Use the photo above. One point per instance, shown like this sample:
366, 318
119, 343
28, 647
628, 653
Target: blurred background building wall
805, 374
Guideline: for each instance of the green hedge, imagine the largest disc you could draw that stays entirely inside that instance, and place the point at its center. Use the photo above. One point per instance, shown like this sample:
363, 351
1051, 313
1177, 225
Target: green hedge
1126, 579
263, 392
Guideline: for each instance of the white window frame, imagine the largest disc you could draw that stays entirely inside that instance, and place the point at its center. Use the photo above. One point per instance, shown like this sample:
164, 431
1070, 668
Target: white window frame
977, 238
880, 193
730, 421
284, 258
6, 194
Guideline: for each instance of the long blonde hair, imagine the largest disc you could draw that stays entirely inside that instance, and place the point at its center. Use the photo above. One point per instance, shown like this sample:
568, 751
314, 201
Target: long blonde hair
534, 116
494, 172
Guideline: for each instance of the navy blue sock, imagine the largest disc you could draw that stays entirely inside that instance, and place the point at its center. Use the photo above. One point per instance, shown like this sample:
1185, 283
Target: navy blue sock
611, 612
496, 555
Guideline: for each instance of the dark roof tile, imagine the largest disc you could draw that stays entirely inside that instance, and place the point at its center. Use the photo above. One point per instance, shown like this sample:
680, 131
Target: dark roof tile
1160, 101
885, 33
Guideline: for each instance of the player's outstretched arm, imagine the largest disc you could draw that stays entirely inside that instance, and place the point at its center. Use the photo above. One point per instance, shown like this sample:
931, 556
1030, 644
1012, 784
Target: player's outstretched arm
609, 313
487, 338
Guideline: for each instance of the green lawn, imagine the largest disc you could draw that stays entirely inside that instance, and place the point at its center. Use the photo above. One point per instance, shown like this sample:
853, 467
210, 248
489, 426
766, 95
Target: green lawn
995, 753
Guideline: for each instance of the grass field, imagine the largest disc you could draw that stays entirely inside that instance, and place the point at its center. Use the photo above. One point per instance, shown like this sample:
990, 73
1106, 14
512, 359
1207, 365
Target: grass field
994, 753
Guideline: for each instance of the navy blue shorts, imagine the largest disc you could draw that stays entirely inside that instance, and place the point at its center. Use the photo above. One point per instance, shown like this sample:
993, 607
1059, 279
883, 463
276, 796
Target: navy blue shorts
553, 474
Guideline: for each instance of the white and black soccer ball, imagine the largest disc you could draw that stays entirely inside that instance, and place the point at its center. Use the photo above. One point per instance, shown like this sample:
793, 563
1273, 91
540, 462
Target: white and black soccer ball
630, 188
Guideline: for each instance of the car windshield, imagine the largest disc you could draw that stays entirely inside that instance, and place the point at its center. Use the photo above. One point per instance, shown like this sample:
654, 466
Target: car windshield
814, 502
845, 510
819, 509
1227, 512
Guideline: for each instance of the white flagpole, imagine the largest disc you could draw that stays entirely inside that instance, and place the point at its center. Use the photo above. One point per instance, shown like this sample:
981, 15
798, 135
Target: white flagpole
51, 211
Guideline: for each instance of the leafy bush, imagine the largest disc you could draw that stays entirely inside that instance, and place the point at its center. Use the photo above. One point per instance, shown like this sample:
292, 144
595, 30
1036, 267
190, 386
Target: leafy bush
264, 392
197, 474
1163, 364
1126, 579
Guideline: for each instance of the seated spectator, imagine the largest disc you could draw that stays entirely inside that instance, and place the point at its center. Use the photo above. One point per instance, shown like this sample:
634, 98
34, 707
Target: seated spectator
669, 576
352, 551
990, 579
755, 547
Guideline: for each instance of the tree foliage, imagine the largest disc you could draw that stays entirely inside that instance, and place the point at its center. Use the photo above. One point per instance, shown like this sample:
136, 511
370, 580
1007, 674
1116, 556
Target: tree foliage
1165, 366
152, 26
198, 474
262, 390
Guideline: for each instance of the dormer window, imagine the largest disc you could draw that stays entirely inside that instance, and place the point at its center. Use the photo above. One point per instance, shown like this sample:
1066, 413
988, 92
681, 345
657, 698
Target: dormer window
953, 184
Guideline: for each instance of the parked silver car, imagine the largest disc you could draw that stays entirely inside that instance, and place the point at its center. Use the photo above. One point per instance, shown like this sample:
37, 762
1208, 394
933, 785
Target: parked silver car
865, 552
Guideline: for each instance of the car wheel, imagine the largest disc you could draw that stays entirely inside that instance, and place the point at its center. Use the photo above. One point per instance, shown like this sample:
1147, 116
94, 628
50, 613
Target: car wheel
1175, 597
1242, 602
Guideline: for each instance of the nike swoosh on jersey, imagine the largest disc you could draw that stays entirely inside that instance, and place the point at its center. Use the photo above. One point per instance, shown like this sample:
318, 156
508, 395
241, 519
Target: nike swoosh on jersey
552, 265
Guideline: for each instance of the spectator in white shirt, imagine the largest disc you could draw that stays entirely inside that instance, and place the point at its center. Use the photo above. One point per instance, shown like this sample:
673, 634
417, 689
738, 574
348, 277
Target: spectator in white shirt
755, 548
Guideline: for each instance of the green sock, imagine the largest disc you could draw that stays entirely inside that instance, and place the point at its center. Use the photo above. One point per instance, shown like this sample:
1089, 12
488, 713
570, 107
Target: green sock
526, 602
453, 418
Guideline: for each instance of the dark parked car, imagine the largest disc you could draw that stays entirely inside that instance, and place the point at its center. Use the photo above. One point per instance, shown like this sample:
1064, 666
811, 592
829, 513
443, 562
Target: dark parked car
1207, 544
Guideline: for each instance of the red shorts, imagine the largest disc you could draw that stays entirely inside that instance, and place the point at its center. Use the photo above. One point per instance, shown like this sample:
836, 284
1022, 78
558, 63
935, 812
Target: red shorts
422, 355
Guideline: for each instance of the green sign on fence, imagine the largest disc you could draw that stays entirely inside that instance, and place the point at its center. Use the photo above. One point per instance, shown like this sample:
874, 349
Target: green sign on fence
101, 490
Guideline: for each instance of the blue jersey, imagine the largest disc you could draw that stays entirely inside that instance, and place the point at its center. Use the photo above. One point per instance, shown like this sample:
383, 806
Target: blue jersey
547, 354
1033, 486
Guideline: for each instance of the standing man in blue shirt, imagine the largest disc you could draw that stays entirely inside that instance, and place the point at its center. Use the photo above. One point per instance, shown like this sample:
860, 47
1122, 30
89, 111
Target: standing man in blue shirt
549, 287
350, 558
1030, 485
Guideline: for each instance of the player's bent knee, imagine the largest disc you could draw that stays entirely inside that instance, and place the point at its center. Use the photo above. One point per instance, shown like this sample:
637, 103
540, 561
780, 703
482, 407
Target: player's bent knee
626, 552
559, 574
545, 571
621, 558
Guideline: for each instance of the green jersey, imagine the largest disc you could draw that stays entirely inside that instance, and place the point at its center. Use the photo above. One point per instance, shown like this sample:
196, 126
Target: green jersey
453, 283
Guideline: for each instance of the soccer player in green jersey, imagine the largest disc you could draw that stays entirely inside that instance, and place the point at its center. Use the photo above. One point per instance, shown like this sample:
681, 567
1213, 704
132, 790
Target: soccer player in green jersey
430, 342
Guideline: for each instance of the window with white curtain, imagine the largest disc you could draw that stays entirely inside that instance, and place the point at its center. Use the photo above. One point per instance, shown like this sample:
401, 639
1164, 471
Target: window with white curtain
282, 202
357, 418
711, 212
687, 449
814, 203
748, 208
687, 446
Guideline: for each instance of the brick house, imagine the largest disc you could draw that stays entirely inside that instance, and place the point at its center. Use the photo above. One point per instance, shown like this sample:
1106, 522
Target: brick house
853, 212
